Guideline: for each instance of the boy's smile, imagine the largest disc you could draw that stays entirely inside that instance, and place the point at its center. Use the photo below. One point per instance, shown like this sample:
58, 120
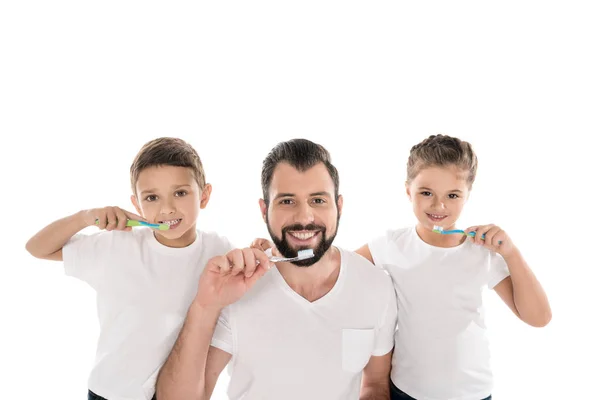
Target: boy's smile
171, 195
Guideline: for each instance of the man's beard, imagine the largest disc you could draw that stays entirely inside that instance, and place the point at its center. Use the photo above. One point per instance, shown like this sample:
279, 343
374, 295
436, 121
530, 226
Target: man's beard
322, 246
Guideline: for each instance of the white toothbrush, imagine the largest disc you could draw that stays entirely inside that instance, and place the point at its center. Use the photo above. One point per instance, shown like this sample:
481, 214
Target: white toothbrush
302, 255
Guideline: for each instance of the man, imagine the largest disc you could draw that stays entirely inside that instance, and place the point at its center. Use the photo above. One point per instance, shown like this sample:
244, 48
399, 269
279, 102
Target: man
320, 328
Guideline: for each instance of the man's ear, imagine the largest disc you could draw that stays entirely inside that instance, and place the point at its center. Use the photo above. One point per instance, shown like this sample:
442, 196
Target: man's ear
263, 209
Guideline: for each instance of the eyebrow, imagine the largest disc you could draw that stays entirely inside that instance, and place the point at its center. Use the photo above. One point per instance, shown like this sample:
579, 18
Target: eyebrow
172, 187
311, 195
431, 190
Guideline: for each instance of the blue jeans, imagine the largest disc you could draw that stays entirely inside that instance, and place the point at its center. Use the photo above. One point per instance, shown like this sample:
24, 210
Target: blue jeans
94, 396
397, 394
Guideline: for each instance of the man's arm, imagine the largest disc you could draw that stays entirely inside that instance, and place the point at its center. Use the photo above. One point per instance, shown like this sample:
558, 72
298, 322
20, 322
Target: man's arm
193, 367
376, 378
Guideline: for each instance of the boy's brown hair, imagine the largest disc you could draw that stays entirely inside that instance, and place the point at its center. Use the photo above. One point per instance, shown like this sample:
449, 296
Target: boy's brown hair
167, 151
442, 151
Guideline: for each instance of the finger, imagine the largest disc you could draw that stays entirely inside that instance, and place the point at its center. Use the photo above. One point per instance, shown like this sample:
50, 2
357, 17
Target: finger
481, 233
249, 261
100, 216
500, 238
218, 264
489, 235
131, 215
475, 234
111, 219
121, 219
263, 259
264, 264
236, 260
266, 245
471, 231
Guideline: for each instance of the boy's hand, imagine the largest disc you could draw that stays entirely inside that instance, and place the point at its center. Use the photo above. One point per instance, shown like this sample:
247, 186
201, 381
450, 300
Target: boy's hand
227, 278
262, 244
110, 218
495, 239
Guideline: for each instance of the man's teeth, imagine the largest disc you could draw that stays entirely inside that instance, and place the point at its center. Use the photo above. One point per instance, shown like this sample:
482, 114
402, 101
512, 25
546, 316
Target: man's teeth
171, 222
303, 235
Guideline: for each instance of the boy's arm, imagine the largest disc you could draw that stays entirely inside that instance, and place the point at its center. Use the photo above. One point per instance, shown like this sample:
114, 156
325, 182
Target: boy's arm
523, 293
47, 244
193, 367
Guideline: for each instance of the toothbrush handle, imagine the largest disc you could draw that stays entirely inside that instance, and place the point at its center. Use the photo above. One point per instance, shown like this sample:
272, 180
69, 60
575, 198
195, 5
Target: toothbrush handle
134, 222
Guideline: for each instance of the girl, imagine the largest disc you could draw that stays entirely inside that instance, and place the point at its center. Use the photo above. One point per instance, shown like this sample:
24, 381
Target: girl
441, 350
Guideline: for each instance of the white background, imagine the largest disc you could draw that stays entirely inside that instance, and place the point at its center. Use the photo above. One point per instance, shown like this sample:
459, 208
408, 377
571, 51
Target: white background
83, 85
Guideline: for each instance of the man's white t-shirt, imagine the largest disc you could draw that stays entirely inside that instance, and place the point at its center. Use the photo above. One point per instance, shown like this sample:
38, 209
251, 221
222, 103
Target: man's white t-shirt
144, 290
441, 350
285, 347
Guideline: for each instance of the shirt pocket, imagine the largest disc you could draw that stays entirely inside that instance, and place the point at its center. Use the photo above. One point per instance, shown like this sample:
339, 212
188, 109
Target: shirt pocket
357, 347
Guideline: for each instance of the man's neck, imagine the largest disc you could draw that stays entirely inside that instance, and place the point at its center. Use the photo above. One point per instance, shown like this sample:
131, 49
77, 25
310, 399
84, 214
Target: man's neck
315, 281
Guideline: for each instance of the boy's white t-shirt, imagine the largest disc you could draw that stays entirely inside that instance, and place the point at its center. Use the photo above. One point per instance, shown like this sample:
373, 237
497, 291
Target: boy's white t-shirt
144, 290
285, 347
441, 347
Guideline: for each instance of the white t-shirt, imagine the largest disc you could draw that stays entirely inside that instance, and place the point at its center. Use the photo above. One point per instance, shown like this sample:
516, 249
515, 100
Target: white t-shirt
285, 347
441, 348
144, 290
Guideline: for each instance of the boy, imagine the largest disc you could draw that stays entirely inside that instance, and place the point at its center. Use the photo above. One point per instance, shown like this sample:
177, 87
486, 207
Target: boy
145, 279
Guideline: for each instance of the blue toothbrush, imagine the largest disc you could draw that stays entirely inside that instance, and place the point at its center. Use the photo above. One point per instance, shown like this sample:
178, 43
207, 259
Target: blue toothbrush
133, 222
440, 230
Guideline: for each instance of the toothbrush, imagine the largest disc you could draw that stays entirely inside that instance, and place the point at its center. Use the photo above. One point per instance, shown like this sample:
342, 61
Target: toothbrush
440, 230
133, 222
302, 255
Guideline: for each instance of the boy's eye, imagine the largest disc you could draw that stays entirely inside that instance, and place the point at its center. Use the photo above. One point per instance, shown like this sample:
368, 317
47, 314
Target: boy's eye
453, 196
426, 193
151, 197
180, 193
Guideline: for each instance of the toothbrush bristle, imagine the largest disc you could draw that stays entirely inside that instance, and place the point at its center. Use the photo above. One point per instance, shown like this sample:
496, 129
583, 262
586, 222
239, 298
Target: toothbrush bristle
304, 254
163, 227
438, 229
